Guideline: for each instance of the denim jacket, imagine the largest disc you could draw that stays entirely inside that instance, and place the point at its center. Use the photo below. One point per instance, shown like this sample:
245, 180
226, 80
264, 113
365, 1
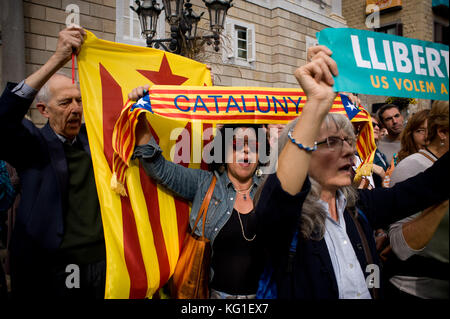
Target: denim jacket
192, 184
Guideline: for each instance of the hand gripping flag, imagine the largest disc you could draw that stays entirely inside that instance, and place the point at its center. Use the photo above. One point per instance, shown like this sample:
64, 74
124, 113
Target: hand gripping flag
365, 143
144, 224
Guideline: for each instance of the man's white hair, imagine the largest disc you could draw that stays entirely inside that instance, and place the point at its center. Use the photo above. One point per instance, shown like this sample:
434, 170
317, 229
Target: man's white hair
44, 94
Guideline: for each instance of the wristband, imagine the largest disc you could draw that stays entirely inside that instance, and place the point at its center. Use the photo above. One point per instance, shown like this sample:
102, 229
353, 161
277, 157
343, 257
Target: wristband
301, 146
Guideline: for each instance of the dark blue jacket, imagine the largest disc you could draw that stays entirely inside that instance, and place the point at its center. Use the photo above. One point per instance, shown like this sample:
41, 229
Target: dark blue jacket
38, 156
312, 275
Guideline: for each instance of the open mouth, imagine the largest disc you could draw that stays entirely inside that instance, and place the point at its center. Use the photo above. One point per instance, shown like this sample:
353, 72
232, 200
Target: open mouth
246, 161
346, 168
74, 121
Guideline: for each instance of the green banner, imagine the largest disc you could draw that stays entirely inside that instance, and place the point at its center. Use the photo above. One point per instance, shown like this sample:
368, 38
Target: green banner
384, 64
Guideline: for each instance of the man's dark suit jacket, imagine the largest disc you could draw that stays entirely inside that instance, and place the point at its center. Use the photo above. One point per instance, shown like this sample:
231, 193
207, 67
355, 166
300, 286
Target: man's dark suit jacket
38, 156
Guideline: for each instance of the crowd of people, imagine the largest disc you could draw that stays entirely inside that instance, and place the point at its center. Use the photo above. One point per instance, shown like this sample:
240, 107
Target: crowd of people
322, 235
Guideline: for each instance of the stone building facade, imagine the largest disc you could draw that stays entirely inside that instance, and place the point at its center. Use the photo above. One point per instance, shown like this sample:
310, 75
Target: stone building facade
262, 44
42, 21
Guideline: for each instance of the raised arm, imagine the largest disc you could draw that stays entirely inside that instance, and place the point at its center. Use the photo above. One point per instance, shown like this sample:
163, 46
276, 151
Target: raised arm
316, 79
69, 41
16, 100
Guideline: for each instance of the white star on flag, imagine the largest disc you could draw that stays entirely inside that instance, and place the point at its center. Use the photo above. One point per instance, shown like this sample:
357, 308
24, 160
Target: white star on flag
141, 102
351, 106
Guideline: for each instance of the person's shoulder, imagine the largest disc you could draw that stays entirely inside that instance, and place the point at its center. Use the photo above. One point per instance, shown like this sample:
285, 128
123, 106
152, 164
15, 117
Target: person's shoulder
416, 159
409, 167
406, 163
32, 128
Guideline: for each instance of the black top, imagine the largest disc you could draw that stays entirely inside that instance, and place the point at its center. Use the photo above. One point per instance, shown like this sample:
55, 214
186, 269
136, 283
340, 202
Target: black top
313, 276
236, 261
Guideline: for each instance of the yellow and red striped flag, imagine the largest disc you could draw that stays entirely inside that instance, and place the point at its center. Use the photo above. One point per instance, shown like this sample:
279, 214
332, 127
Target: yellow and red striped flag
365, 145
144, 225
228, 105
143, 231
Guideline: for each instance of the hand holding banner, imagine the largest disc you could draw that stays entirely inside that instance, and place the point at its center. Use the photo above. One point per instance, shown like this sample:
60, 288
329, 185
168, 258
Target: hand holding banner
384, 64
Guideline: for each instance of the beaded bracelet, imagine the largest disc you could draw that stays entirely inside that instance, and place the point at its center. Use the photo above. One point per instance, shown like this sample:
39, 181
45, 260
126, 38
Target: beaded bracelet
302, 147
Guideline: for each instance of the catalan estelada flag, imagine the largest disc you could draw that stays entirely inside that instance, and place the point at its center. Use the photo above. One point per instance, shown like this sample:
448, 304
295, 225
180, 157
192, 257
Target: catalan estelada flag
144, 224
144, 230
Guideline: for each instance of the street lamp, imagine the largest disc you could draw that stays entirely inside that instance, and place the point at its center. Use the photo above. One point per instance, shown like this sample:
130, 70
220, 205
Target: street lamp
183, 23
148, 13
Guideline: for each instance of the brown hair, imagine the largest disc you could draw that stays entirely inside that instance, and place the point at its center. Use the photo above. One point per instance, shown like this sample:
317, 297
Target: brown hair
384, 108
437, 119
407, 139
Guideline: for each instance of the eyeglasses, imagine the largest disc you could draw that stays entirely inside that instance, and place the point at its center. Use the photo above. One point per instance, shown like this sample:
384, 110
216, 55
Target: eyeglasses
238, 145
375, 125
335, 143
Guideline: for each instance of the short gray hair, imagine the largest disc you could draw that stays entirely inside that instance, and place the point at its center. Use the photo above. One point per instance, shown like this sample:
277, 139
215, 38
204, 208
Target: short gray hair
44, 94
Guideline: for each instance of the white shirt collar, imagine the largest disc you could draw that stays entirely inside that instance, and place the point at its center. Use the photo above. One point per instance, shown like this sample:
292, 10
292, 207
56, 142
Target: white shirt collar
63, 139
341, 203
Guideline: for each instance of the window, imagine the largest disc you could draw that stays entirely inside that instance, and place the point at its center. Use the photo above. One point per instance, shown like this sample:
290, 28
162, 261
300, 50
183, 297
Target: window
128, 27
239, 43
395, 29
242, 43
441, 33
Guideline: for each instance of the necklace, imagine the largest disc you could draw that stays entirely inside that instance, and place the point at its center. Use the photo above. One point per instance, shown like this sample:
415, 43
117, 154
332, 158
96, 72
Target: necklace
244, 191
242, 228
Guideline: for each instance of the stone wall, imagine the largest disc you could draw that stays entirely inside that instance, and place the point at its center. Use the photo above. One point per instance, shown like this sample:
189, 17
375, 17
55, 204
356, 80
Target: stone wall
280, 47
417, 19
43, 19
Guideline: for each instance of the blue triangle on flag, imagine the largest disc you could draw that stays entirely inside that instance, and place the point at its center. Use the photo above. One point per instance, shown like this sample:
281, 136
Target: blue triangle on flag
144, 103
350, 108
